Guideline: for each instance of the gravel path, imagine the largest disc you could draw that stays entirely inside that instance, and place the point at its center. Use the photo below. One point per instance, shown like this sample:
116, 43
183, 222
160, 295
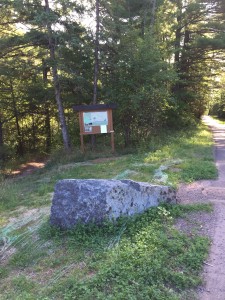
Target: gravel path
212, 191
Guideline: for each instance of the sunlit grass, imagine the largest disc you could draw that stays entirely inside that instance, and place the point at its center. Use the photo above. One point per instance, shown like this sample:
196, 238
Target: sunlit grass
219, 120
194, 154
143, 257
187, 157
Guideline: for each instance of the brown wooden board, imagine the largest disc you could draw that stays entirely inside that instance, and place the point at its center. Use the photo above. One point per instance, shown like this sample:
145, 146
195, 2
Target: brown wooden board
95, 119
95, 107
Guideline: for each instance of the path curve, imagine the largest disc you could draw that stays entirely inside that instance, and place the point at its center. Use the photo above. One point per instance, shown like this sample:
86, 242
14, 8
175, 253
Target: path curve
212, 191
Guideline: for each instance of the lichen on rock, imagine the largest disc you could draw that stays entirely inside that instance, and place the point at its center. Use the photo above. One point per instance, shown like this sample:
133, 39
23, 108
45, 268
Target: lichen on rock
94, 200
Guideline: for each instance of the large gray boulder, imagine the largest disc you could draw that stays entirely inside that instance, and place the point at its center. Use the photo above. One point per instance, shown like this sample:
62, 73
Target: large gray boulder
94, 200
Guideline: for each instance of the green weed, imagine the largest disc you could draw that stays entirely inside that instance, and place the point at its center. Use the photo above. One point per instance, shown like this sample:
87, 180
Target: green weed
3, 272
21, 283
138, 258
141, 257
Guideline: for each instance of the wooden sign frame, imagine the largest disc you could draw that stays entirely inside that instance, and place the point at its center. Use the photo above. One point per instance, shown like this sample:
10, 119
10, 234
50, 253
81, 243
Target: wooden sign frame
95, 119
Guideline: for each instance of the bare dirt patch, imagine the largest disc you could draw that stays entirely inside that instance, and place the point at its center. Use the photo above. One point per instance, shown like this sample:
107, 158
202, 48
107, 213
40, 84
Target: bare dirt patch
28, 168
200, 223
25, 169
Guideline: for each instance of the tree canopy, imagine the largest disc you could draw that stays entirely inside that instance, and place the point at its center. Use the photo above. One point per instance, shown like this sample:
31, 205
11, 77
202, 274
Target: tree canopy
161, 61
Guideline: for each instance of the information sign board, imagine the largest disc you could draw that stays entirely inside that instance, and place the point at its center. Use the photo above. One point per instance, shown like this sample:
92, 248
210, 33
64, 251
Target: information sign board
95, 119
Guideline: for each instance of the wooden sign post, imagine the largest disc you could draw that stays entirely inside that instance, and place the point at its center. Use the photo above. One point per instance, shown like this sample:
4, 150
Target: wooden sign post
95, 119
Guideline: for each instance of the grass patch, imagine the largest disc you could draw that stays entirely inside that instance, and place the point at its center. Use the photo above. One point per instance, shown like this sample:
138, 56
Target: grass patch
182, 157
195, 152
143, 257
199, 171
219, 120
3, 272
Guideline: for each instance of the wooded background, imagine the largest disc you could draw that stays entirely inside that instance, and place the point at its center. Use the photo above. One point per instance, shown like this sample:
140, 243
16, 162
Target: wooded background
161, 61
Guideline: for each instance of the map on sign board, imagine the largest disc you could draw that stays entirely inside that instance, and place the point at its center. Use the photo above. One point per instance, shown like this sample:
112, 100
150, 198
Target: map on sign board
98, 118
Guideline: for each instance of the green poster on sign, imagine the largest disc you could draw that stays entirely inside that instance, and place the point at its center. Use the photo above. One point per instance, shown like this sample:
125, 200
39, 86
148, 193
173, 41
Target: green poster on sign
95, 118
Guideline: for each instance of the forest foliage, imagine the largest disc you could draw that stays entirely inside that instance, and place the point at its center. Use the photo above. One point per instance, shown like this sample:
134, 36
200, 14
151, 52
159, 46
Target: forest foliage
160, 60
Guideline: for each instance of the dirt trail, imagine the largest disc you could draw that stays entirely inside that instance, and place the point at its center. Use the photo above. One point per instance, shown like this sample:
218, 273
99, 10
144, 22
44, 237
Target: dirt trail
28, 168
212, 191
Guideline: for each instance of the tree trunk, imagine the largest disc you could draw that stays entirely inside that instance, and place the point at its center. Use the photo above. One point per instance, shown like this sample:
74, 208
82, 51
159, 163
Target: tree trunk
153, 14
33, 147
184, 61
58, 98
127, 134
20, 149
178, 32
177, 46
96, 66
48, 141
47, 112
1, 134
